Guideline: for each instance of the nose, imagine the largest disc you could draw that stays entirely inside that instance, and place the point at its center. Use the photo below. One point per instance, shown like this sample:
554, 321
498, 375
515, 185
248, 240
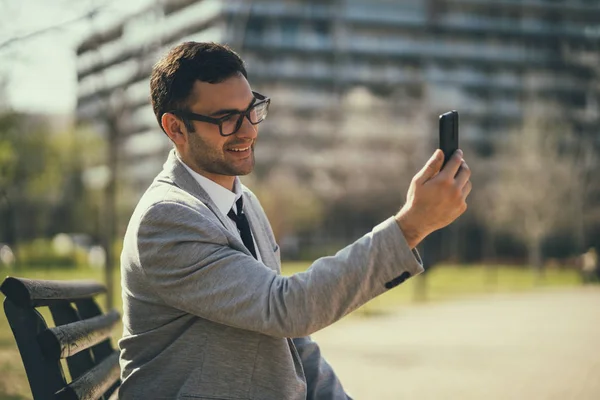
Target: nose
247, 130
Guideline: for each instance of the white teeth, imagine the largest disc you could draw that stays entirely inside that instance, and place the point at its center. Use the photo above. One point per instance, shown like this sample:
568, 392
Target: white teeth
240, 150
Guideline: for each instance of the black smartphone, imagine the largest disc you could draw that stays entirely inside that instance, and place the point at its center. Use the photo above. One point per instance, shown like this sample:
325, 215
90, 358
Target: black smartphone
449, 134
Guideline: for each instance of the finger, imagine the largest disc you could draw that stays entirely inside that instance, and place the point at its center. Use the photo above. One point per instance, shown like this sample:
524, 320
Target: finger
431, 168
463, 175
466, 190
452, 166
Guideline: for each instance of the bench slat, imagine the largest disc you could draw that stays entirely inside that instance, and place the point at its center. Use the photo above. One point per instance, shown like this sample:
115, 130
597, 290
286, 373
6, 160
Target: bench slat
66, 340
37, 292
93, 384
63, 314
82, 335
45, 376
88, 308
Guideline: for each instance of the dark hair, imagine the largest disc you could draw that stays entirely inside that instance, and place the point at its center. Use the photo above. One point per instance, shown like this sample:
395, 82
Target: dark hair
173, 77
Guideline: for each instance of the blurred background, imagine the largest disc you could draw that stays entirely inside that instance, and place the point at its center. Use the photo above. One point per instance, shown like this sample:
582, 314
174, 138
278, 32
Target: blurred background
356, 89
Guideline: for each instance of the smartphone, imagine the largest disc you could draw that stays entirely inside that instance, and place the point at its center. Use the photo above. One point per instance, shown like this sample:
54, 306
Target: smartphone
449, 134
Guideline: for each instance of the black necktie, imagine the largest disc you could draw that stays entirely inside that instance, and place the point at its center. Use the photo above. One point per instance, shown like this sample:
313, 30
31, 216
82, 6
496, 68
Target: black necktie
243, 226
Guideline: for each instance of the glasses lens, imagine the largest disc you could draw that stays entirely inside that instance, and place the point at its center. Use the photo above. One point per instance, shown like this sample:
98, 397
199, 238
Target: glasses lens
259, 112
229, 125
256, 114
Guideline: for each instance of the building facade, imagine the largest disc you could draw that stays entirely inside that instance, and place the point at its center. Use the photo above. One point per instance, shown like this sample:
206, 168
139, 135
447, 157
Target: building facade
356, 85
334, 68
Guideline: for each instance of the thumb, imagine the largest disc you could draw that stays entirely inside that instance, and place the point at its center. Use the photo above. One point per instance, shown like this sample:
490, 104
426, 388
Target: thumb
432, 167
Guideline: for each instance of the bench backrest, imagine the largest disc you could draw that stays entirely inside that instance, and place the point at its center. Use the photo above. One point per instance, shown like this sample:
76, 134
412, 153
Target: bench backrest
81, 335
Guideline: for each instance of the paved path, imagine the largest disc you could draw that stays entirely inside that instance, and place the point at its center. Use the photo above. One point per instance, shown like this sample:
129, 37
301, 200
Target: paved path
539, 345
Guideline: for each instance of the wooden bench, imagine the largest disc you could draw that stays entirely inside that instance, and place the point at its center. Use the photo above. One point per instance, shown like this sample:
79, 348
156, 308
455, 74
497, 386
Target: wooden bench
81, 335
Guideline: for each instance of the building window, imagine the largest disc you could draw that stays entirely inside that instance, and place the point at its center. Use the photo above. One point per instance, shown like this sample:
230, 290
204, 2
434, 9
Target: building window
255, 27
289, 32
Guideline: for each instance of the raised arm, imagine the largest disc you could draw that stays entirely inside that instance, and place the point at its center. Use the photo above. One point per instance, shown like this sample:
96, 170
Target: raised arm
189, 263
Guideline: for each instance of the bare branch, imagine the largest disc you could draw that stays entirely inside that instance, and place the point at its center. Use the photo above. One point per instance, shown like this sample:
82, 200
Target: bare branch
61, 25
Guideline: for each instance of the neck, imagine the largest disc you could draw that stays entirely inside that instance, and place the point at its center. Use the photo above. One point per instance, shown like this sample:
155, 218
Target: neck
223, 180
226, 181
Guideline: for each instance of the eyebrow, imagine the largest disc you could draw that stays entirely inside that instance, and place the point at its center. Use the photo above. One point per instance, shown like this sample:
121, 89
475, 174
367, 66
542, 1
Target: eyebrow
232, 110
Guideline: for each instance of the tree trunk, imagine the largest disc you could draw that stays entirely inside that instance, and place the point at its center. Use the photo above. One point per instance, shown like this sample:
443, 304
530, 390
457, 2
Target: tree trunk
579, 221
535, 259
110, 203
420, 293
489, 251
10, 227
430, 254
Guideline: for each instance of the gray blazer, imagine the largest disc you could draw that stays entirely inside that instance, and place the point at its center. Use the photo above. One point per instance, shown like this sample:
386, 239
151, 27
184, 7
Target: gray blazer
202, 319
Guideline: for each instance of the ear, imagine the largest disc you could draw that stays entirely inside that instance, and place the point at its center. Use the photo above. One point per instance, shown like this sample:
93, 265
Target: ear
174, 128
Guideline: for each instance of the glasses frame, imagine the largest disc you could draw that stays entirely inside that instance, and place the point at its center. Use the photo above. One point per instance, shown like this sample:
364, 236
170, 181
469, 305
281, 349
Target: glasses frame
258, 100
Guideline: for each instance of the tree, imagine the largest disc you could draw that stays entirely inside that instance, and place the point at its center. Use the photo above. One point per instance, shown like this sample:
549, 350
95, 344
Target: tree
538, 179
292, 207
41, 191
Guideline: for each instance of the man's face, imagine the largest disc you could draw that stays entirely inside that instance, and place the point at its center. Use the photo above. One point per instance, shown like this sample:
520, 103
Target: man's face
217, 157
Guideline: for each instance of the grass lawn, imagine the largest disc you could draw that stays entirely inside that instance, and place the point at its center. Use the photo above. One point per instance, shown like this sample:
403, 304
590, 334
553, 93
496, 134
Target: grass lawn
443, 283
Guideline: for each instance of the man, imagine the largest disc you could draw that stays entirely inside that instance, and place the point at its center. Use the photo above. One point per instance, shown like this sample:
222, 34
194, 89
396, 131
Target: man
207, 314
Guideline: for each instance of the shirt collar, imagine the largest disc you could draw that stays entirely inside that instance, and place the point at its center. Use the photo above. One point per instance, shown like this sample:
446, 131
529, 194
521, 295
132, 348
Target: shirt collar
223, 198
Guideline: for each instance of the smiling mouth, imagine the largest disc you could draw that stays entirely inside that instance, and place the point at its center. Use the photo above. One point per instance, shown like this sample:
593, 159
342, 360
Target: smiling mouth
240, 150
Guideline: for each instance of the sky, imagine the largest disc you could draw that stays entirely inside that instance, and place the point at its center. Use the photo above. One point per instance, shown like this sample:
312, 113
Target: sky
40, 71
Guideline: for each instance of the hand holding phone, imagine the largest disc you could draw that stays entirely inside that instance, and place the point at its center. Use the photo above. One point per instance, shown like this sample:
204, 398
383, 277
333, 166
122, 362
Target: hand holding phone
448, 134
431, 202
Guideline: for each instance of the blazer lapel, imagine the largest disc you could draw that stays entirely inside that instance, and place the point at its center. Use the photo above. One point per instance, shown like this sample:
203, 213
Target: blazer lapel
174, 170
267, 252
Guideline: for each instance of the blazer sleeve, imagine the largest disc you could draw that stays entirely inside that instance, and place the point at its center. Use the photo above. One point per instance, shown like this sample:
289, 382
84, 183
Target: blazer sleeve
321, 381
188, 262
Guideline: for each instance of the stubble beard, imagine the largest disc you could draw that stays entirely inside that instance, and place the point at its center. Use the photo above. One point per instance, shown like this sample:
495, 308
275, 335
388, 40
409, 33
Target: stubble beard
213, 161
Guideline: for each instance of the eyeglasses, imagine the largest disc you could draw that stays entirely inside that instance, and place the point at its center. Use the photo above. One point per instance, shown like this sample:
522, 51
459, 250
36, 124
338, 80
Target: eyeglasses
231, 123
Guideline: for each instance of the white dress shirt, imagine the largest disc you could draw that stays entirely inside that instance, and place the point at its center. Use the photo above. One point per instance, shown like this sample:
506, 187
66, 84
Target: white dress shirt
223, 198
